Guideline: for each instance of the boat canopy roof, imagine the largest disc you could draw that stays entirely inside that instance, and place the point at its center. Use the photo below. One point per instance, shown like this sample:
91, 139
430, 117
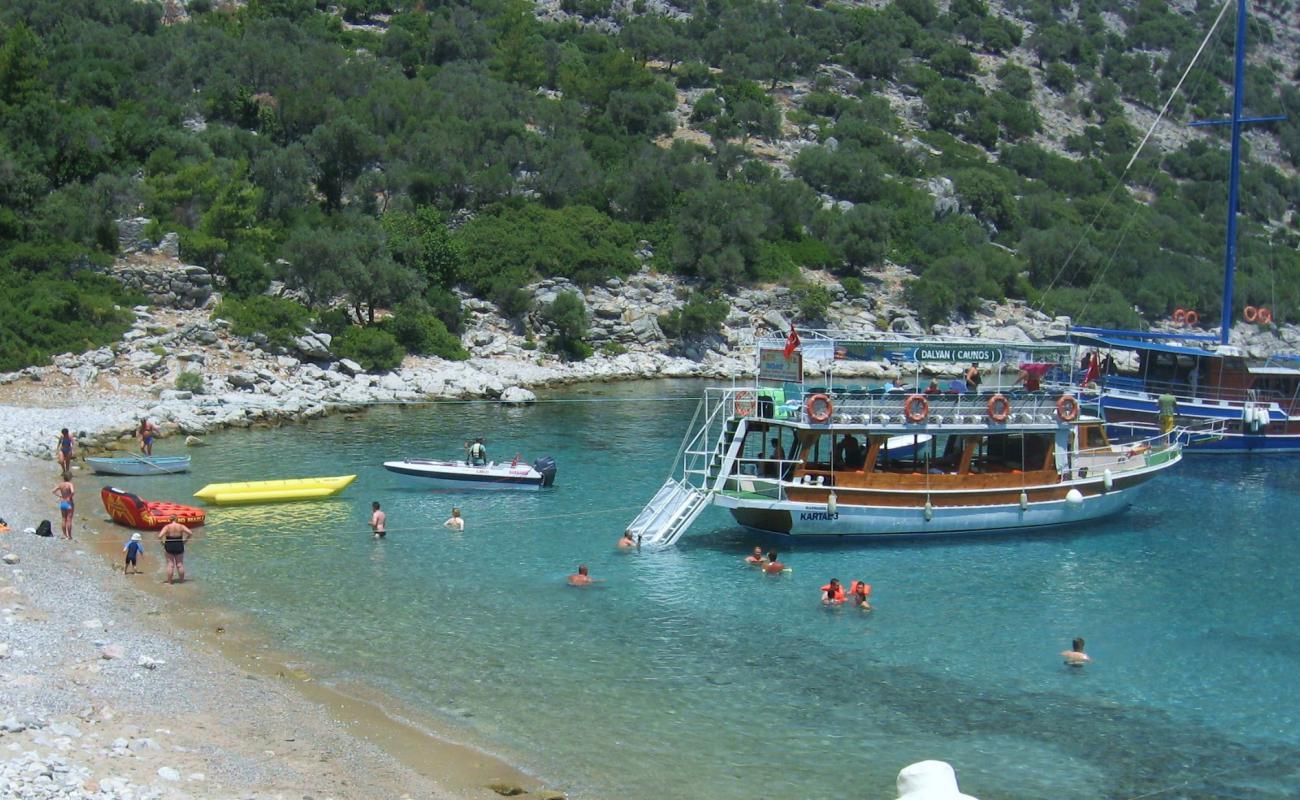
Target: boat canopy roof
902, 348
1282, 371
1150, 344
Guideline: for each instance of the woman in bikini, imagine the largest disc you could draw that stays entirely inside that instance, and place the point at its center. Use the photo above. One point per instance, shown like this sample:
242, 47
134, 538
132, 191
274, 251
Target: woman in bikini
66, 494
147, 431
64, 455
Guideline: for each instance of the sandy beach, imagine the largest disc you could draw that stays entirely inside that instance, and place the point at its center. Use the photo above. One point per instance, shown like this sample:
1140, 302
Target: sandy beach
123, 687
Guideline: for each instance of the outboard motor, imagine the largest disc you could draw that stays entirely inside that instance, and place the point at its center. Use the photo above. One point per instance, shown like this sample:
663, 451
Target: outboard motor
546, 466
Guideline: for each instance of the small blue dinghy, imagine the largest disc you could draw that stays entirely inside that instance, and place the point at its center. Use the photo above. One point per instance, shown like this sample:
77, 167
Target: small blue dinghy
139, 465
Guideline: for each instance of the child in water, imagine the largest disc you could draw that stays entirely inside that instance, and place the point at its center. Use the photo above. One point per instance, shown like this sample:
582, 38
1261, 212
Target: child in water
133, 549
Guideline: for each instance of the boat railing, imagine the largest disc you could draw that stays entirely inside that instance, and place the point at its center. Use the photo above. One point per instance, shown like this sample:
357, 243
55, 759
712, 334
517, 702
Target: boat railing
1137, 453
1185, 392
878, 407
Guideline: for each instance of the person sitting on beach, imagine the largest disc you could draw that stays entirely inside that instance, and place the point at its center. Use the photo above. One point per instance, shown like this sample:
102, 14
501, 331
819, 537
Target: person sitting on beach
755, 559
773, 566
581, 577
133, 549
66, 448
378, 521
1075, 657
455, 522
67, 505
859, 591
833, 593
146, 433
627, 542
174, 536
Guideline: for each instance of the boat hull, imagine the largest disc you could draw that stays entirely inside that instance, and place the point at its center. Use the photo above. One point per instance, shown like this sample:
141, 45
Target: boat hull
458, 475
139, 465
274, 491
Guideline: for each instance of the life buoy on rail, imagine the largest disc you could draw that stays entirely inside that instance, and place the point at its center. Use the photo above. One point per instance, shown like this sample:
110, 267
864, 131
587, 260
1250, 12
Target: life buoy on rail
1251, 313
744, 403
1180, 316
916, 408
1265, 316
1192, 318
1067, 408
819, 408
999, 408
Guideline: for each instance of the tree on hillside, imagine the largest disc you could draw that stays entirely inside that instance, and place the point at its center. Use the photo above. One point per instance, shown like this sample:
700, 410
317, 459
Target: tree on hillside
347, 259
340, 148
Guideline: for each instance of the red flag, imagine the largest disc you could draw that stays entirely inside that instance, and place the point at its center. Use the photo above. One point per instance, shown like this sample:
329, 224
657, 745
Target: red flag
791, 343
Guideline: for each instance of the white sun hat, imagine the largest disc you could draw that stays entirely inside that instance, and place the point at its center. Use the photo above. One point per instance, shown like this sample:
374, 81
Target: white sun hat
929, 780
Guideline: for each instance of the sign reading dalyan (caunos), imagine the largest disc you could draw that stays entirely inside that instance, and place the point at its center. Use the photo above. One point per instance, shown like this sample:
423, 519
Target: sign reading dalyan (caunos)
957, 354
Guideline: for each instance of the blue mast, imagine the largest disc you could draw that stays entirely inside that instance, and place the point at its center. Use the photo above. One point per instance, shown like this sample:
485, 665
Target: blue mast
1234, 178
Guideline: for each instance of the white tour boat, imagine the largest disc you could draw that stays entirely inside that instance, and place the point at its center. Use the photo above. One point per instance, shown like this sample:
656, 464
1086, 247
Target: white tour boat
831, 460
463, 475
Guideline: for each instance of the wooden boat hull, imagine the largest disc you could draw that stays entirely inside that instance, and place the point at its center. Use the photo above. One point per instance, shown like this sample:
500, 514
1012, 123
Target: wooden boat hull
281, 491
133, 511
139, 465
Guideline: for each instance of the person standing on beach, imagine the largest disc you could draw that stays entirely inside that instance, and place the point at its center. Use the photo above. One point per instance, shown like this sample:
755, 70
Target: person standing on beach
146, 433
66, 450
66, 493
378, 521
133, 549
174, 536
455, 523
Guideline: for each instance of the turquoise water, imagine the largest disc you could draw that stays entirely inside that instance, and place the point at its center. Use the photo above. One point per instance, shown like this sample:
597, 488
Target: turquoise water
687, 674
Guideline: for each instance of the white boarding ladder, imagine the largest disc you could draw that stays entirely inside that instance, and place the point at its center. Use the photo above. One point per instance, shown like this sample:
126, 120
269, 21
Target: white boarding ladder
667, 516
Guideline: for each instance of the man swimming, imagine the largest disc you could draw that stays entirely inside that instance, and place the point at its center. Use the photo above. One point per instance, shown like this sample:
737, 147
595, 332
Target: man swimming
581, 577
1075, 657
627, 542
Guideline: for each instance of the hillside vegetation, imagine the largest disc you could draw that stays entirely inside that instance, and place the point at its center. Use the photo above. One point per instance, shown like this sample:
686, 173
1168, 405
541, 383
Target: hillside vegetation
982, 147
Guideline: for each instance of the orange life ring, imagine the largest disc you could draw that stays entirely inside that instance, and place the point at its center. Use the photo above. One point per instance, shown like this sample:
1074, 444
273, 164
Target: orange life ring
1067, 408
744, 403
826, 406
999, 408
1265, 316
1251, 313
916, 408
1192, 318
1180, 316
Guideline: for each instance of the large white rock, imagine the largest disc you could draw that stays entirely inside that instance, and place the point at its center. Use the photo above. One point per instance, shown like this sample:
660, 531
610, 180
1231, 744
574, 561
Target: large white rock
314, 345
349, 367
517, 395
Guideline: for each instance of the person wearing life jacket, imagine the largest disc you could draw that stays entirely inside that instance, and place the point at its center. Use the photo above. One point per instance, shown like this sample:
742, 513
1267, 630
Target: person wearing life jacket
833, 592
476, 453
859, 591
755, 559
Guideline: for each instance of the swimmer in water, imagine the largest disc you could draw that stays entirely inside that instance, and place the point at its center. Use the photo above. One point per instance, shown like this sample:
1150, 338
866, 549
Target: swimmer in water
773, 566
859, 591
833, 593
1075, 657
627, 542
755, 559
581, 577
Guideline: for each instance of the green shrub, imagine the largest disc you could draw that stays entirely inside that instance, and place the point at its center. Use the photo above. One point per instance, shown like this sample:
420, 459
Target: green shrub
568, 315
417, 329
190, 382
813, 302
47, 314
853, 286
612, 349
246, 272
373, 348
446, 306
279, 319
529, 342
333, 321
693, 75
698, 318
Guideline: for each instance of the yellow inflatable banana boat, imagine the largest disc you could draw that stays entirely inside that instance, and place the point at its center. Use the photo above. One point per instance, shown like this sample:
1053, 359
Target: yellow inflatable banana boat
273, 491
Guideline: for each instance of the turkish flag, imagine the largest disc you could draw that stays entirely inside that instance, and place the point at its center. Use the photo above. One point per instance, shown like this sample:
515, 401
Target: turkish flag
791, 343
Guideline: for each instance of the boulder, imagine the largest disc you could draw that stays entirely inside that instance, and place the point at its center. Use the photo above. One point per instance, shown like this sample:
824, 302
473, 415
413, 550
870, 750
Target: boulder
103, 357
393, 383
146, 360
242, 380
646, 329
174, 394
349, 367
314, 346
517, 395
11, 558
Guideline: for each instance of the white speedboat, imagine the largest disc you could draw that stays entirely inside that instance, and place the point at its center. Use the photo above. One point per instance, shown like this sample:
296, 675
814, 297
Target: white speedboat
463, 475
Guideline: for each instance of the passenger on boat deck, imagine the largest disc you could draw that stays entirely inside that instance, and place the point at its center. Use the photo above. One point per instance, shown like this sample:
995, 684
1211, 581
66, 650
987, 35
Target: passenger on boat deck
773, 566
972, 377
778, 454
1075, 656
849, 452
580, 578
833, 592
378, 520
476, 453
1029, 379
455, 522
627, 541
755, 558
859, 591
933, 387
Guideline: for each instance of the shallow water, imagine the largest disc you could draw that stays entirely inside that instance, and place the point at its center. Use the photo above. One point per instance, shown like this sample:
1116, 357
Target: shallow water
688, 674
